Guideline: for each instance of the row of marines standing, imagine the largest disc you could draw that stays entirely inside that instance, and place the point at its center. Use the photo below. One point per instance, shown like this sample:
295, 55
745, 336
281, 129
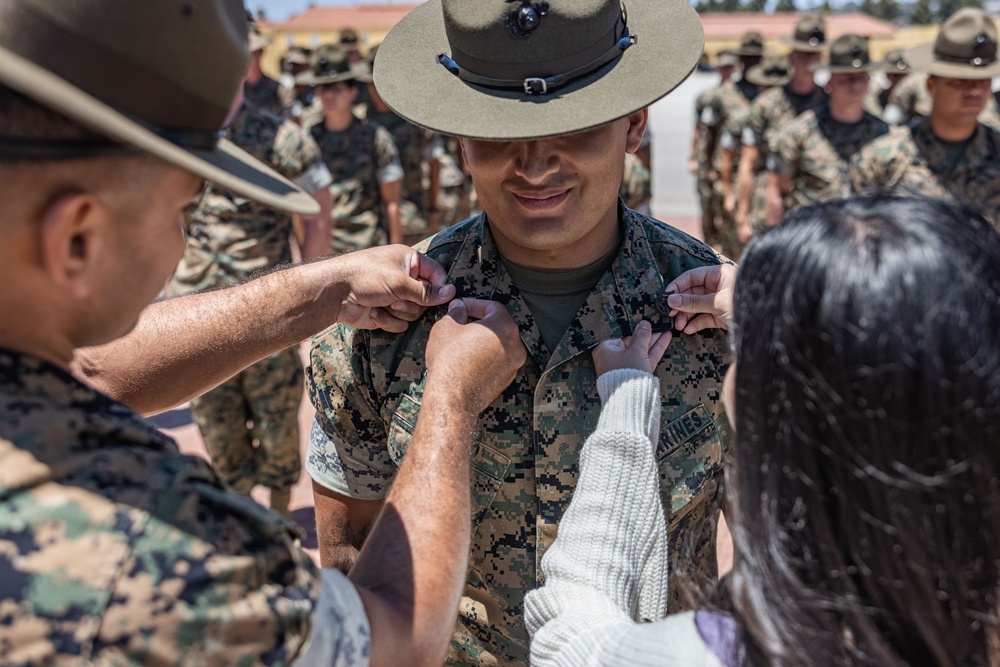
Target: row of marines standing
774, 140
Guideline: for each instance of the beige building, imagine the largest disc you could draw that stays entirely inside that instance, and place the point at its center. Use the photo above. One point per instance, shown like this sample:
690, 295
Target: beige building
322, 25
724, 30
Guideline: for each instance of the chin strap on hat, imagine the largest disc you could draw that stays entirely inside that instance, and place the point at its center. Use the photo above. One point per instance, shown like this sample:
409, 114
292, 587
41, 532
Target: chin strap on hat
538, 85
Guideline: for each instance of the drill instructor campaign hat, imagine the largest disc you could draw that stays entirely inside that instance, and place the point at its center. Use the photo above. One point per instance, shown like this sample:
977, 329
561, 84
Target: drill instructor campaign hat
772, 71
509, 70
965, 48
895, 63
159, 76
809, 35
848, 54
751, 44
329, 64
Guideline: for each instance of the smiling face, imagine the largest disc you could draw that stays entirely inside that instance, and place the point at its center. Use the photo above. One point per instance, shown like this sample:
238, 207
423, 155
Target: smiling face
552, 203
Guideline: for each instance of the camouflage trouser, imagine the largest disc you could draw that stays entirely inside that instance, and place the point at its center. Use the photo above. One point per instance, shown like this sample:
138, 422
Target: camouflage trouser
711, 205
728, 239
250, 423
758, 202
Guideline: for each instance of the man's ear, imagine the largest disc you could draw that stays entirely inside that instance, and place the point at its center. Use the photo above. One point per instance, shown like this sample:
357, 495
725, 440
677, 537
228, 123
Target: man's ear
636, 128
74, 233
931, 85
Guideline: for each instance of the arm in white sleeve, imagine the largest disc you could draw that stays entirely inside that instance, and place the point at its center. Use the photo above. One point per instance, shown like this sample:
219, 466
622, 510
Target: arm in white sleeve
607, 569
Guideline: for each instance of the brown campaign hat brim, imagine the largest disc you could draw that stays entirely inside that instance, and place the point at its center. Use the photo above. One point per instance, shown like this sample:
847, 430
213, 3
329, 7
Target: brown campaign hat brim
845, 69
669, 43
313, 79
804, 47
225, 165
756, 77
922, 59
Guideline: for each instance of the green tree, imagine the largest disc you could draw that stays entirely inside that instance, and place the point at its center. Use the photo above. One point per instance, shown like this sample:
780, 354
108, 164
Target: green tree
948, 7
756, 6
922, 13
730, 6
887, 10
786, 6
707, 6
869, 7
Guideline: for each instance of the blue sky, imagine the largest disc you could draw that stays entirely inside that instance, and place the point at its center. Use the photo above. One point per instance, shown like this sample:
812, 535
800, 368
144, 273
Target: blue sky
280, 10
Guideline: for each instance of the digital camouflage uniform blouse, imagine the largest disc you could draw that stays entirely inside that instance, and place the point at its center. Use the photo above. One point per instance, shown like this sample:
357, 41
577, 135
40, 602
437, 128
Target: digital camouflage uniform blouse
229, 236
814, 151
367, 387
361, 158
911, 161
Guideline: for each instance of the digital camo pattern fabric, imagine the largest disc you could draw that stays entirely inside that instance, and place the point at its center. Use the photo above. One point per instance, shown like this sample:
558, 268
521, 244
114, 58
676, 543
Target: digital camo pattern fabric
636, 188
250, 423
770, 113
265, 94
367, 388
911, 161
413, 144
230, 236
357, 158
911, 98
706, 192
117, 549
814, 151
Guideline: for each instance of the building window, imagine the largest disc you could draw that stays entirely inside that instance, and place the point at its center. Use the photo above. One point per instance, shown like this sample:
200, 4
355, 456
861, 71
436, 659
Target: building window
315, 40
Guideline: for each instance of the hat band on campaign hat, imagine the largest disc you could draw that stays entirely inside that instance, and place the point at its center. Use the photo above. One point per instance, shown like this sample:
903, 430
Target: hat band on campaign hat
539, 78
977, 61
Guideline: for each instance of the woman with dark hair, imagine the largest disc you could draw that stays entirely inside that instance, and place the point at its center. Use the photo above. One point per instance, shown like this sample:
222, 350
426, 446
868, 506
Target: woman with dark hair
865, 492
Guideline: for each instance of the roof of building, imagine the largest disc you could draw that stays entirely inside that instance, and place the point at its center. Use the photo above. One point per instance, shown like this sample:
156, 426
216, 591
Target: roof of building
359, 17
719, 26
731, 26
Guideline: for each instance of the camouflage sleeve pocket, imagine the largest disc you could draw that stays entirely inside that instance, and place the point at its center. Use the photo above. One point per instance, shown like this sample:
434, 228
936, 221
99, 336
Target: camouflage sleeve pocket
689, 458
489, 467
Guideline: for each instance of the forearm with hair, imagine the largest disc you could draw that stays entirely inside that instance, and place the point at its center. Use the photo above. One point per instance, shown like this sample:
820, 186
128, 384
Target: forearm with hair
744, 179
413, 565
183, 347
726, 172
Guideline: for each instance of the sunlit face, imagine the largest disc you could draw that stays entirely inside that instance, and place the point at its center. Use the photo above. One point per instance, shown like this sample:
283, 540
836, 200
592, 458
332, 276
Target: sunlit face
337, 97
551, 195
802, 60
847, 89
958, 99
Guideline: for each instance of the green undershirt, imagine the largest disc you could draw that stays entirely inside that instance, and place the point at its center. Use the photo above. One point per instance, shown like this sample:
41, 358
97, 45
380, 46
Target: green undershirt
555, 296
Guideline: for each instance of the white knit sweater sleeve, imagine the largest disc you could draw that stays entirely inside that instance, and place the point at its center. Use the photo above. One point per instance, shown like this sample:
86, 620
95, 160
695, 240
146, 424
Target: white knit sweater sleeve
607, 570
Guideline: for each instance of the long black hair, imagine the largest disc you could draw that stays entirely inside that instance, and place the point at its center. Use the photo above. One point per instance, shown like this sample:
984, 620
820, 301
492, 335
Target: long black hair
866, 506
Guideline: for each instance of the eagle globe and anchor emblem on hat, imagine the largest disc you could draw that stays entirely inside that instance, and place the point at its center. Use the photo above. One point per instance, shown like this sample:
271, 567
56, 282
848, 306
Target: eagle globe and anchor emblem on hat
511, 70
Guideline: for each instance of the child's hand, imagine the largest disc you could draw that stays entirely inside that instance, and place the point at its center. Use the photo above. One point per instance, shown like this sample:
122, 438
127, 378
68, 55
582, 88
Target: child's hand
641, 351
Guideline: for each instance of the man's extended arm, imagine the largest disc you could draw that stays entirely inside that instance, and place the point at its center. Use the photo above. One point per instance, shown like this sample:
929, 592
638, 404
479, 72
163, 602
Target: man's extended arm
183, 347
412, 568
777, 187
744, 189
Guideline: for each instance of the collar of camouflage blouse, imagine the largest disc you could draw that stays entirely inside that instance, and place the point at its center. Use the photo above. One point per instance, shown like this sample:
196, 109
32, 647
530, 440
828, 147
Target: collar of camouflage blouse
510, 70
177, 65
